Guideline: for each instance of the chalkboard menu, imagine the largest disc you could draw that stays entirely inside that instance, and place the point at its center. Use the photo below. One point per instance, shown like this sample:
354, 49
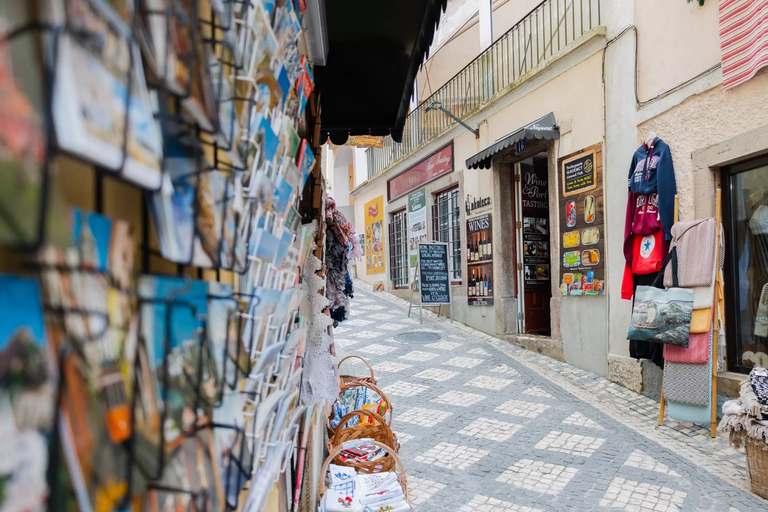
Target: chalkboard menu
434, 276
581, 227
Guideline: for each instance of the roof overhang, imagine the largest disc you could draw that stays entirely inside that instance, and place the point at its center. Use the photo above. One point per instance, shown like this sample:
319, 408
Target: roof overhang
544, 128
375, 50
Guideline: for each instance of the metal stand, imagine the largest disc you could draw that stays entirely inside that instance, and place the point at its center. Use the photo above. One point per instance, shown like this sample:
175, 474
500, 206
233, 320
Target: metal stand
415, 289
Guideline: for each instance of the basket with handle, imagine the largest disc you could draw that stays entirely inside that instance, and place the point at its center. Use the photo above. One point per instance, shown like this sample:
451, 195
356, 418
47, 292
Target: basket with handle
371, 425
345, 379
344, 387
397, 464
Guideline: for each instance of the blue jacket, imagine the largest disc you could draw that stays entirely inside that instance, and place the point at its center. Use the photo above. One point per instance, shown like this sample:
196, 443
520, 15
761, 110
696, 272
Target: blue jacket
652, 171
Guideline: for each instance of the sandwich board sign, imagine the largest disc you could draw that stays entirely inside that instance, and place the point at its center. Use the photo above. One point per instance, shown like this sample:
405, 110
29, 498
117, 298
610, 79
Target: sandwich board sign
434, 276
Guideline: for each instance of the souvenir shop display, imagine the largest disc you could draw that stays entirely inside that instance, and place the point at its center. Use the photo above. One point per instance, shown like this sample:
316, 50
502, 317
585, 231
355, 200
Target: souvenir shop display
127, 388
341, 245
745, 420
651, 190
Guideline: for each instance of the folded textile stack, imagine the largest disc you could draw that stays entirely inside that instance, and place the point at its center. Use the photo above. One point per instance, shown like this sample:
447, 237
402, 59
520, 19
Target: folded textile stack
352, 492
747, 417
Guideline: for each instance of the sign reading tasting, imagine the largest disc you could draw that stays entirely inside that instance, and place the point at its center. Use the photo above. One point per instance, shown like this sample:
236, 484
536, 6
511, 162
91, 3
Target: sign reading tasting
374, 236
582, 229
579, 173
434, 278
432, 167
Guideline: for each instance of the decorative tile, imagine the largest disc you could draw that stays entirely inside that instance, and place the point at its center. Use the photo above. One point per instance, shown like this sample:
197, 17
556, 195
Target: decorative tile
505, 370
381, 316
443, 345
524, 409
391, 326
580, 420
420, 490
463, 362
377, 349
451, 456
485, 382
630, 495
478, 352
574, 444
458, 398
391, 367
493, 430
402, 388
538, 476
537, 391
357, 322
482, 503
403, 438
418, 355
422, 417
640, 459
437, 374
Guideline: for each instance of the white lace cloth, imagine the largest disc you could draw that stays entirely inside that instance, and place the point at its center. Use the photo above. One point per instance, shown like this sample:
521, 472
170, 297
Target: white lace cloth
320, 380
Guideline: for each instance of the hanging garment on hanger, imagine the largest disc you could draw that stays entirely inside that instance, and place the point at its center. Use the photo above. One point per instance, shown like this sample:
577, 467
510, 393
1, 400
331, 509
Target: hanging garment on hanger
652, 171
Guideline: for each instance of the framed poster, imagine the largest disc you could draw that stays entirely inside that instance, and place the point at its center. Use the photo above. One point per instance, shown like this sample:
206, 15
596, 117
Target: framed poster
374, 236
582, 229
480, 260
417, 229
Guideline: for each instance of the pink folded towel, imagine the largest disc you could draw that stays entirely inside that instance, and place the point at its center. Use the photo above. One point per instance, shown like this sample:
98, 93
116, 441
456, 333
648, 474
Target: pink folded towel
697, 351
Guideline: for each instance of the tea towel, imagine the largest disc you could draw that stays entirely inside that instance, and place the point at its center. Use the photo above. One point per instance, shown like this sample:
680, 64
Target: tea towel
687, 383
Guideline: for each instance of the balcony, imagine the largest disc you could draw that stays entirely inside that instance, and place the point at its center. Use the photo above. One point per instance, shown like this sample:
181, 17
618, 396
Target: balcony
532, 43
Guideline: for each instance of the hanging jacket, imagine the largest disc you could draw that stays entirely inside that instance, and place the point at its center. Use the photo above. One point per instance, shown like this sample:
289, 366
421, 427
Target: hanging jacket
652, 171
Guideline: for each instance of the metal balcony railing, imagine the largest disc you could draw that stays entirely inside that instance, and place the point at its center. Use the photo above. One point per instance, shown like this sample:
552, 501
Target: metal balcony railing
548, 29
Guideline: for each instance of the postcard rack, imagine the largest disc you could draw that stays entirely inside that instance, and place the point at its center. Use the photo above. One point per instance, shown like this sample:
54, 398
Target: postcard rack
169, 389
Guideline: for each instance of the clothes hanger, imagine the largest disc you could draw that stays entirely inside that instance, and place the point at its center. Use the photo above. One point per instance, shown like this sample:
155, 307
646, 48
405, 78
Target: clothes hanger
651, 137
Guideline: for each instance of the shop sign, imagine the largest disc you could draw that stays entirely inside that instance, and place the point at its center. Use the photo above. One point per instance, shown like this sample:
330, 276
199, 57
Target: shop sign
434, 276
534, 190
432, 167
578, 173
475, 203
417, 229
581, 226
480, 260
374, 236
364, 141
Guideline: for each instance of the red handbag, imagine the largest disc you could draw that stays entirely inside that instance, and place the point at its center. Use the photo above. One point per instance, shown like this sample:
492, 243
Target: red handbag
647, 253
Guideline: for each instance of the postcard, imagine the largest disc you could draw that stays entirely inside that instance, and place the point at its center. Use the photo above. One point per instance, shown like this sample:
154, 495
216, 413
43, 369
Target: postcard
171, 493
90, 102
28, 395
211, 198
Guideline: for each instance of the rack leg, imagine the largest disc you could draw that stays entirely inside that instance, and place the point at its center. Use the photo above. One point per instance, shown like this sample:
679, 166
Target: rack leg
663, 404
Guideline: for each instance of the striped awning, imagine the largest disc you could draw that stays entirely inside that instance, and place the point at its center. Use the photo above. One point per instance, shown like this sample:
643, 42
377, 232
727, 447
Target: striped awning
743, 39
544, 128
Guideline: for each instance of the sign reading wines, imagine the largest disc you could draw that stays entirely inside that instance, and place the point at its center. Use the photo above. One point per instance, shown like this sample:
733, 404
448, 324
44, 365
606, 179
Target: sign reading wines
434, 277
579, 173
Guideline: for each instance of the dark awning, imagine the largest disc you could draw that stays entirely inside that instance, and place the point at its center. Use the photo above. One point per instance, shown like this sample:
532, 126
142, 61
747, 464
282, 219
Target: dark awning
544, 128
375, 50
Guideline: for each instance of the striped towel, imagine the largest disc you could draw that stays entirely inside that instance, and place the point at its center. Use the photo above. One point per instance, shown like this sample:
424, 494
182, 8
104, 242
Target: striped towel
743, 39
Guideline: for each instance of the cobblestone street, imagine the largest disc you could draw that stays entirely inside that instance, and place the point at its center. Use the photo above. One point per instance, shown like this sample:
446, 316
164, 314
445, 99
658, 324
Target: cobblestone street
485, 426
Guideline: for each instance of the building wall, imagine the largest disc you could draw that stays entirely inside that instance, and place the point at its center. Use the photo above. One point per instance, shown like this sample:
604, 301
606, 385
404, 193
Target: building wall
573, 91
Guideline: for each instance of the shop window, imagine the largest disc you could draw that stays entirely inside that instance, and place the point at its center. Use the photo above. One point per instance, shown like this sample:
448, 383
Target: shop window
398, 249
446, 227
745, 215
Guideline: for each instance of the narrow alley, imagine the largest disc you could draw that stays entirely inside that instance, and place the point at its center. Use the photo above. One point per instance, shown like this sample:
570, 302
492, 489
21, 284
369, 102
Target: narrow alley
485, 426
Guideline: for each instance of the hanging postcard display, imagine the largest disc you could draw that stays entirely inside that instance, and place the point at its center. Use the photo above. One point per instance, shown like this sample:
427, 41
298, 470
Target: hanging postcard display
582, 230
374, 236
480, 260
417, 229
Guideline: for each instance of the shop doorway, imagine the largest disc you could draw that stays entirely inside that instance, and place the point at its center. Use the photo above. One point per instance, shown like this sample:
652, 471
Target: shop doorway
533, 232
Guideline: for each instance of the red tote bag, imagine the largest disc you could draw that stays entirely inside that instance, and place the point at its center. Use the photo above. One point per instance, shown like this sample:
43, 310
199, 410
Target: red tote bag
647, 253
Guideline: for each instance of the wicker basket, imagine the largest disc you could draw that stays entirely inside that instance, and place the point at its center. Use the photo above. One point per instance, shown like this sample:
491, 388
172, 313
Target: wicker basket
387, 415
757, 465
378, 430
347, 379
398, 468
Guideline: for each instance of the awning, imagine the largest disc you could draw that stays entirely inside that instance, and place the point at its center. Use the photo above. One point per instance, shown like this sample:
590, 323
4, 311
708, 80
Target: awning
544, 128
375, 50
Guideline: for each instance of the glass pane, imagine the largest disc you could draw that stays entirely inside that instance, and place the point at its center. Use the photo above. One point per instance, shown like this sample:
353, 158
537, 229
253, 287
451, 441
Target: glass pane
749, 200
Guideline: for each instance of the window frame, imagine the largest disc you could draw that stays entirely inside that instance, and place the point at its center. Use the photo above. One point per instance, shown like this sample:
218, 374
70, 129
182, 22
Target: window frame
454, 246
731, 281
395, 278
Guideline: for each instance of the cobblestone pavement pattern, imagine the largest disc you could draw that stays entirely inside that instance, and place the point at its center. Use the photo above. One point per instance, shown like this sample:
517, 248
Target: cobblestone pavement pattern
485, 426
